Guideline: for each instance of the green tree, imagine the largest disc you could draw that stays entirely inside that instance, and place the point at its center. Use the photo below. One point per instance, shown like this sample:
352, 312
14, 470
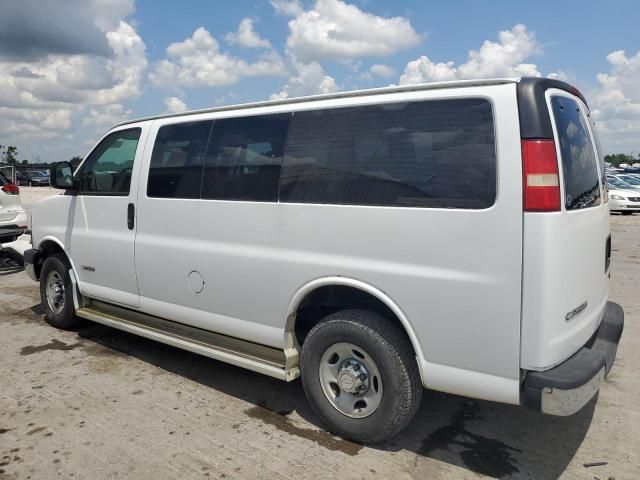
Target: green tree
75, 161
24, 162
10, 155
618, 158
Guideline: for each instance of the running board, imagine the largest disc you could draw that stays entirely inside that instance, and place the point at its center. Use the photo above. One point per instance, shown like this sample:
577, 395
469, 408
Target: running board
259, 358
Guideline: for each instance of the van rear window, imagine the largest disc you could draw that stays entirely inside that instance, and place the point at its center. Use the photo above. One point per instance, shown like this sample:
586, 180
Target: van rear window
579, 165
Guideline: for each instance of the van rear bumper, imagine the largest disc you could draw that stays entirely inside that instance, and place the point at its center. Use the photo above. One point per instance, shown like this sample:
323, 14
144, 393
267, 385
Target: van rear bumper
565, 389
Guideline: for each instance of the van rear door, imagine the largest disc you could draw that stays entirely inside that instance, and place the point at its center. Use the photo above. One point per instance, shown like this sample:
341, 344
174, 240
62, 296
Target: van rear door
566, 252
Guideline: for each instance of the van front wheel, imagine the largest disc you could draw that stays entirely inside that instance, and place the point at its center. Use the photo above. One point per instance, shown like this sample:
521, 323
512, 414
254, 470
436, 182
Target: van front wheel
56, 293
360, 375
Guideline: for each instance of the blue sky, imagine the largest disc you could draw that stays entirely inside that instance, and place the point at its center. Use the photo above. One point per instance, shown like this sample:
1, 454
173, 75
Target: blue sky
70, 71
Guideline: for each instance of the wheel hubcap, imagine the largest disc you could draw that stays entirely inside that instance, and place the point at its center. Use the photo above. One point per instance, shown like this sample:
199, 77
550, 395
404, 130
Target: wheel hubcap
55, 292
350, 380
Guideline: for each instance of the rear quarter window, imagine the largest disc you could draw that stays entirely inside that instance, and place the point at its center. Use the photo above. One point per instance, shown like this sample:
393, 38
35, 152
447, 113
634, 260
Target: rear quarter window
579, 165
437, 153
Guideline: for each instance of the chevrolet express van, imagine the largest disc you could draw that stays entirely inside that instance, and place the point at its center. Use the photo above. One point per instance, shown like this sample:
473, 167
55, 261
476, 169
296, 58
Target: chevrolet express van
450, 236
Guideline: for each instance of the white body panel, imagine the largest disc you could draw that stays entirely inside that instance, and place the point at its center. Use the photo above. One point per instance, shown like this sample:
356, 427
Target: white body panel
93, 231
255, 256
563, 267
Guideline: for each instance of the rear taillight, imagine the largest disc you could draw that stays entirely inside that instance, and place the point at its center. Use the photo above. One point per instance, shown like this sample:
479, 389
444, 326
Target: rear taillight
11, 189
541, 181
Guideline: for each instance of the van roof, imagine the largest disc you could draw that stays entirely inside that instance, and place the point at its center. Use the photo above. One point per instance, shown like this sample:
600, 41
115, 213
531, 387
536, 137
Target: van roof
329, 96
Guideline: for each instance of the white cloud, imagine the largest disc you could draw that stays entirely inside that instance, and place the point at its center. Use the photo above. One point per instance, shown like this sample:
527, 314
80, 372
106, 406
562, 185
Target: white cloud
505, 58
333, 29
56, 80
382, 70
615, 104
309, 79
246, 36
289, 8
175, 105
106, 116
33, 123
198, 62
61, 71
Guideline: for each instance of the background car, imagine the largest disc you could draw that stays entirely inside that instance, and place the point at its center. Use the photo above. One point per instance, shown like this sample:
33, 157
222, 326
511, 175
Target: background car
623, 197
39, 178
617, 183
630, 178
13, 219
22, 178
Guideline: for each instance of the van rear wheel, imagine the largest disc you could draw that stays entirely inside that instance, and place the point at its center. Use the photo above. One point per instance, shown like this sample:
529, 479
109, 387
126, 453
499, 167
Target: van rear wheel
56, 293
360, 375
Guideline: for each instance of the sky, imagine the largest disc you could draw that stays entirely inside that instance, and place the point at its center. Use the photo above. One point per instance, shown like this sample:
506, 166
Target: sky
70, 69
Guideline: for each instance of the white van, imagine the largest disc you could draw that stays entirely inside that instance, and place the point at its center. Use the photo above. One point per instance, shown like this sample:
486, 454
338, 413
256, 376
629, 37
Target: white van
453, 236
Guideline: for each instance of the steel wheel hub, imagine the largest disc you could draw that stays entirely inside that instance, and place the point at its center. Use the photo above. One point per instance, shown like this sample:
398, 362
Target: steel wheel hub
54, 290
350, 380
353, 377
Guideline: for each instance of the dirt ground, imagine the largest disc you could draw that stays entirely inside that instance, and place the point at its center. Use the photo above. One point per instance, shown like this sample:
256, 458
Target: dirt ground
99, 403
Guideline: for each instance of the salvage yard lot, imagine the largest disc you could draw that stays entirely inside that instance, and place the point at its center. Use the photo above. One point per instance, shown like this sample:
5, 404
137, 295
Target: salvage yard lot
99, 403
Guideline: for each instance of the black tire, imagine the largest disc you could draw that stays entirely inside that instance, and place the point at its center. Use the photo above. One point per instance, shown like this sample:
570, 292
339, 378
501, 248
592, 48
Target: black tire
394, 357
64, 319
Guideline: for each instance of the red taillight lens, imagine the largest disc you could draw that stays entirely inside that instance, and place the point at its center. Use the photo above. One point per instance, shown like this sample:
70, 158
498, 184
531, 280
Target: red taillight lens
540, 178
11, 189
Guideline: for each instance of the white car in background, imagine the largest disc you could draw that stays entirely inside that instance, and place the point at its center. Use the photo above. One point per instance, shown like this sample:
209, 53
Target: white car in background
624, 201
13, 218
623, 197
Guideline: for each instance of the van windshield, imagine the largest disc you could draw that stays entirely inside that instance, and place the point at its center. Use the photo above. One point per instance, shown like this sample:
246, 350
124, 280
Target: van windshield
579, 165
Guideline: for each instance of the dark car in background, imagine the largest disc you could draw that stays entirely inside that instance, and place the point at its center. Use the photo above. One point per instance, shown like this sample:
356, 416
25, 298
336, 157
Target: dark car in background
39, 179
36, 178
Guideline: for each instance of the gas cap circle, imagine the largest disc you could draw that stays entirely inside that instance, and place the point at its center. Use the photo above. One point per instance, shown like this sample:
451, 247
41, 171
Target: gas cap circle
196, 282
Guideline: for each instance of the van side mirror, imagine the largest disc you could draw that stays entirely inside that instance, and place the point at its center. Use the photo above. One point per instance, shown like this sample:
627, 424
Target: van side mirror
61, 176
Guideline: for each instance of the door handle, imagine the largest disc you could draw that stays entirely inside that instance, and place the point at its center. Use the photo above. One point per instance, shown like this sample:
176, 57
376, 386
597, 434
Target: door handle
131, 213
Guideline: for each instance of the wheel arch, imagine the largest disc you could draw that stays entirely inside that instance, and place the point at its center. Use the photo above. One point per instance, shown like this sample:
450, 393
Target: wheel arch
315, 286
46, 247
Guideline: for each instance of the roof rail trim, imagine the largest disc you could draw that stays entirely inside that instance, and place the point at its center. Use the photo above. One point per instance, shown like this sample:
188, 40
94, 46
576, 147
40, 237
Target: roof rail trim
330, 96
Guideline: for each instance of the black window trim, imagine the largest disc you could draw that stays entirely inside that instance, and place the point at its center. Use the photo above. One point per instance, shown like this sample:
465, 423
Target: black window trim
313, 106
78, 172
557, 92
186, 119
496, 140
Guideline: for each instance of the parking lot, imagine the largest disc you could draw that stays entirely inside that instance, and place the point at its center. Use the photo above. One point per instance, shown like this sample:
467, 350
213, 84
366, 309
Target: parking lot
99, 403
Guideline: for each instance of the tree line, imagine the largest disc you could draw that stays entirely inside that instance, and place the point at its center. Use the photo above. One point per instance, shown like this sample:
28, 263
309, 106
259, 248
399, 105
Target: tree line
618, 158
9, 156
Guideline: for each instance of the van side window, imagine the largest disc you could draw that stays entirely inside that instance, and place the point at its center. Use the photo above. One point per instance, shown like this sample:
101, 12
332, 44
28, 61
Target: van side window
579, 166
107, 170
177, 160
244, 158
437, 153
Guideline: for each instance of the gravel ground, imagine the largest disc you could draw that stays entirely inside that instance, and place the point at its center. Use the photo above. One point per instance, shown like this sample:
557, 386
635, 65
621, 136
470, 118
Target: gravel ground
99, 403
30, 195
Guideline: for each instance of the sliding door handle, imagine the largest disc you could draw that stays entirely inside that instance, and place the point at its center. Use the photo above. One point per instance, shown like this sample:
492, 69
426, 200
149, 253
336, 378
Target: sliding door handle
131, 215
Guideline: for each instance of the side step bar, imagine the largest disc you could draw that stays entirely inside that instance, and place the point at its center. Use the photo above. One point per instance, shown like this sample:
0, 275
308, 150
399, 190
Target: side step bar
259, 358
